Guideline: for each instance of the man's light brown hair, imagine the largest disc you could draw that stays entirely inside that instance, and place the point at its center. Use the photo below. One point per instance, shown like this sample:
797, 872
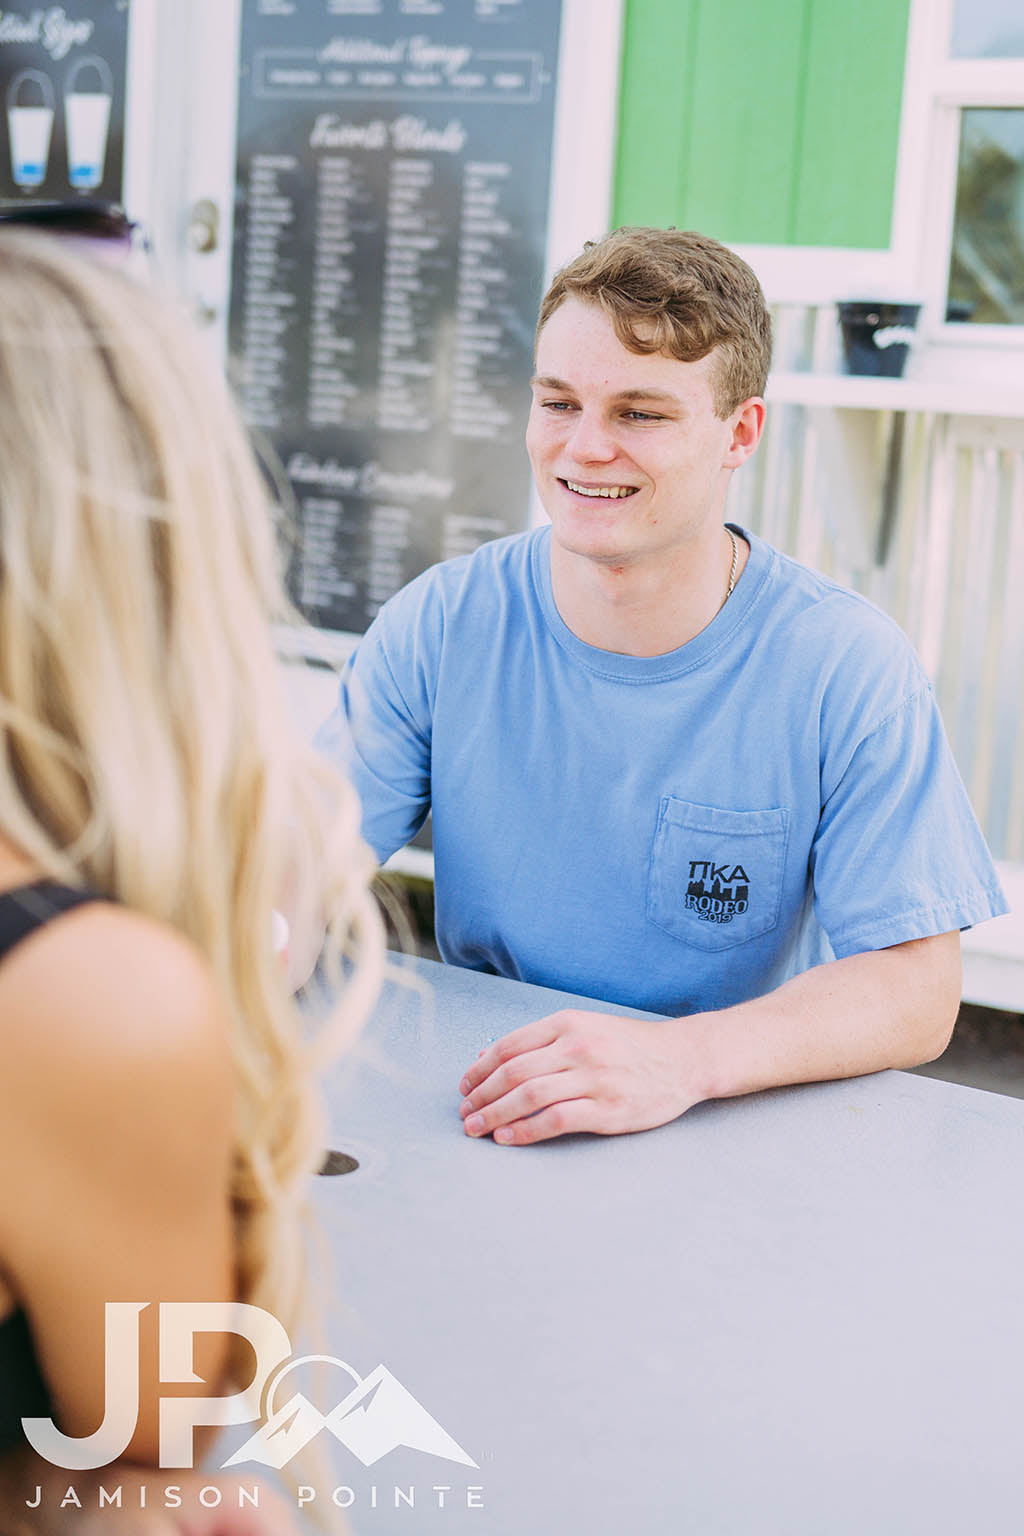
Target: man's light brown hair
679, 293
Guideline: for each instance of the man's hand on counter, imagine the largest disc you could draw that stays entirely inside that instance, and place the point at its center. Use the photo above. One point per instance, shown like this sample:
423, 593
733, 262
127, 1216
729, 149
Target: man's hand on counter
577, 1071
582, 1071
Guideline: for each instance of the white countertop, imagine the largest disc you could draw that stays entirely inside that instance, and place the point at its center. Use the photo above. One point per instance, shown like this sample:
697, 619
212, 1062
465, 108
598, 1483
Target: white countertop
797, 1312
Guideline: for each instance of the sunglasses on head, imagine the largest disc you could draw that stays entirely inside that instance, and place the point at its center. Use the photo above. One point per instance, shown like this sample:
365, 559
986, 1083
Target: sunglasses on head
85, 218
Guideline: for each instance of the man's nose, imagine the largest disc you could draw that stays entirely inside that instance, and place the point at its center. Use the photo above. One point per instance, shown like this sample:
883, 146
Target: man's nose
591, 439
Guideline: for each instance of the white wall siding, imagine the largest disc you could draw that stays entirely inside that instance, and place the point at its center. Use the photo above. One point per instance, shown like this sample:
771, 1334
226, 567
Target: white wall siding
952, 574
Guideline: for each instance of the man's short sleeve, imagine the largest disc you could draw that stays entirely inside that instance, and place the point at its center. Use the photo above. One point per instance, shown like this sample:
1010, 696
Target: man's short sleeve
380, 732
898, 853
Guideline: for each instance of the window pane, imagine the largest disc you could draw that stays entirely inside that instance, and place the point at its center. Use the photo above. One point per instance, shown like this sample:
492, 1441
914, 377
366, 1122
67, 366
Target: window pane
987, 29
986, 272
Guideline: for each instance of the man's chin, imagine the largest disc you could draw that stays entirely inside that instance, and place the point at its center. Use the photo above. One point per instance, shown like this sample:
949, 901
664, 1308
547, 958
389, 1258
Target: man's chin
603, 547
593, 538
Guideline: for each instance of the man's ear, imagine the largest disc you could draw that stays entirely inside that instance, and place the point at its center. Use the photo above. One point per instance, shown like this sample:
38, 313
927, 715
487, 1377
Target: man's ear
747, 426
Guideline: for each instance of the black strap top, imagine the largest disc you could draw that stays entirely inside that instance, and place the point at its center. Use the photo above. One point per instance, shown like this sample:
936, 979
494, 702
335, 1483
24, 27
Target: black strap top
28, 907
23, 1392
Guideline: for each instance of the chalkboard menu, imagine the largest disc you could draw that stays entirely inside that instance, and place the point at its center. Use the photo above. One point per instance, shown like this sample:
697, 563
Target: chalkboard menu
390, 227
62, 76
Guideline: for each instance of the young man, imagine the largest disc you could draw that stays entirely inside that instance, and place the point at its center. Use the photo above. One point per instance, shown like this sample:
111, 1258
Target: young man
668, 766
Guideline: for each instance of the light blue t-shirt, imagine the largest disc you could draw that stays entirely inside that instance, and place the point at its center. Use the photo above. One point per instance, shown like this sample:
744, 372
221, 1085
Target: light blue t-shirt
678, 832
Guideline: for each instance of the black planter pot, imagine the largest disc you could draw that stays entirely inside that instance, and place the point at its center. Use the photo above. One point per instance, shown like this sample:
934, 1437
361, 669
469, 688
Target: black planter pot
876, 336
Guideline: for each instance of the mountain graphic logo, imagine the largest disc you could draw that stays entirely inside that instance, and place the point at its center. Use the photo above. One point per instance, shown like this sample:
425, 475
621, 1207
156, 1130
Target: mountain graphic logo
377, 1416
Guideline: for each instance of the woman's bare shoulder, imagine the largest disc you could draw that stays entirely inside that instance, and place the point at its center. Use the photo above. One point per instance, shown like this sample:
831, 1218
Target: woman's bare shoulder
102, 978
113, 1012
117, 1126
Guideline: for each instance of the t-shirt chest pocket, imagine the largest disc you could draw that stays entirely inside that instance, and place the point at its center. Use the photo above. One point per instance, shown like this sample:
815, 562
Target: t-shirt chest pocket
716, 876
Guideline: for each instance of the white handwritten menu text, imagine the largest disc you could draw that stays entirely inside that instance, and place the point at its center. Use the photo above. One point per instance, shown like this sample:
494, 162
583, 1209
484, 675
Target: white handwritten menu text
391, 219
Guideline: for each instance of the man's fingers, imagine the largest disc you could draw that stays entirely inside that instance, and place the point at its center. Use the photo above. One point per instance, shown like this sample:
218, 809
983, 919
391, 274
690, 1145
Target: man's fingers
560, 1120
536, 1094
520, 1069
530, 1038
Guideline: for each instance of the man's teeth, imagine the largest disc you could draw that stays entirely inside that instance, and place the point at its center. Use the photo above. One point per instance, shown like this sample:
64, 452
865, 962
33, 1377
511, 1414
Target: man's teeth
611, 491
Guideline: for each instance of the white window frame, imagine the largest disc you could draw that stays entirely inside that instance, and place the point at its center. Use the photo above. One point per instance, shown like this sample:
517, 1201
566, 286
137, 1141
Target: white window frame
915, 266
138, 178
958, 85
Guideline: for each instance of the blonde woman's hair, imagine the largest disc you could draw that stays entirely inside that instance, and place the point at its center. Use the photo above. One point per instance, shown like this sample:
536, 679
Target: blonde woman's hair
146, 748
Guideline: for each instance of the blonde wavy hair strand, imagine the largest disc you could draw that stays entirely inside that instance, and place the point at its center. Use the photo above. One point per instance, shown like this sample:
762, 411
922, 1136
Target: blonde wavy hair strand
146, 748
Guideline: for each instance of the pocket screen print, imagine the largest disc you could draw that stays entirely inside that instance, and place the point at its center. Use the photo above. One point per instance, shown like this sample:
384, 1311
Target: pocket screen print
716, 875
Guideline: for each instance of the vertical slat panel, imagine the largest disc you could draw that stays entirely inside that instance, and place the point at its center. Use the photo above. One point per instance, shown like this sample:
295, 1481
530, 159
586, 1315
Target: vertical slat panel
806, 542
986, 786
915, 529
971, 581
906, 544
790, 489
847, 492
949, 678
935, 553
1007, 822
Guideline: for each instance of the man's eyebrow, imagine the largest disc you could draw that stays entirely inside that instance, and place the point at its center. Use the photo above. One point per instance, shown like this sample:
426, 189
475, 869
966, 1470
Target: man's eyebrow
664, 395
548, 381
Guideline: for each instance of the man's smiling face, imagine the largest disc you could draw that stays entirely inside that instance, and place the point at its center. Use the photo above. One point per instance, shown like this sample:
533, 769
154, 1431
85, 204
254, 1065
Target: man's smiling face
630, 459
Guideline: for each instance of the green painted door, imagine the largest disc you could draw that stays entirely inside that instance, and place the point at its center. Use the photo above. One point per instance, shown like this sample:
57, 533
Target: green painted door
771, 123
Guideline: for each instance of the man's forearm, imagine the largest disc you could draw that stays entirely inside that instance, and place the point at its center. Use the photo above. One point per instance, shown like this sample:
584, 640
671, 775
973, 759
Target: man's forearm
577, 1070
886, 1008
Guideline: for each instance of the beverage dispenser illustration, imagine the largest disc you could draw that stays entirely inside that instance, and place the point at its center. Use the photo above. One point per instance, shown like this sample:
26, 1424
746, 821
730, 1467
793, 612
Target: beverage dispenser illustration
88, 90
30, 126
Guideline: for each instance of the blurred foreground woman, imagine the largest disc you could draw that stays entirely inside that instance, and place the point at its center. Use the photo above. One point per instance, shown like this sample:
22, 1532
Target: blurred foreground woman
158, 1118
